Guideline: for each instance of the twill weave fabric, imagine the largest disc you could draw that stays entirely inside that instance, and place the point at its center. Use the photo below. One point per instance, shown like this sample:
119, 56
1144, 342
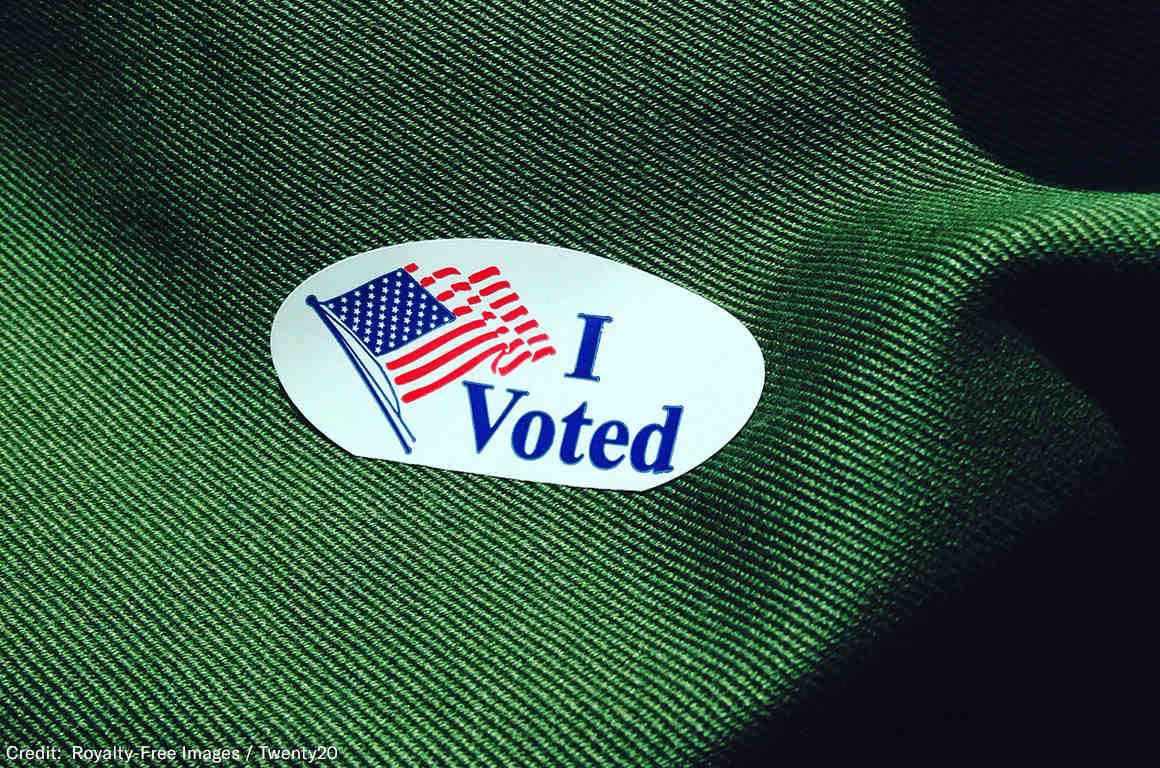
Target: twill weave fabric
183, 560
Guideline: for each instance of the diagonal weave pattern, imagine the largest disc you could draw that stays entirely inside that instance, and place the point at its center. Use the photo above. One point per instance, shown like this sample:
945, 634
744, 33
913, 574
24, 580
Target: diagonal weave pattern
182, 560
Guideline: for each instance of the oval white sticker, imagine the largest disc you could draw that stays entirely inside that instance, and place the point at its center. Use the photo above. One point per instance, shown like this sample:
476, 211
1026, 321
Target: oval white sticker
515, 360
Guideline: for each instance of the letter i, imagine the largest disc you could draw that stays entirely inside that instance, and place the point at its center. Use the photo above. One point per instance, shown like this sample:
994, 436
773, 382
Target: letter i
589, 343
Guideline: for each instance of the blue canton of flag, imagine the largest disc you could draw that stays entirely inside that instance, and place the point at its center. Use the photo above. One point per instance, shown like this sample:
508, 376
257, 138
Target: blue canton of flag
389, 311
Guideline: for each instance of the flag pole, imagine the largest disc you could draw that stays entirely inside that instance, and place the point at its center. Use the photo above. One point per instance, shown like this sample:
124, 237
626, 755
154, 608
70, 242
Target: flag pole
372, 387
393, 401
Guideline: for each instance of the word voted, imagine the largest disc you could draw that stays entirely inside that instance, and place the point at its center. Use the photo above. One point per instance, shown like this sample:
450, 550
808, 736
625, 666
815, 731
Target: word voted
533, 433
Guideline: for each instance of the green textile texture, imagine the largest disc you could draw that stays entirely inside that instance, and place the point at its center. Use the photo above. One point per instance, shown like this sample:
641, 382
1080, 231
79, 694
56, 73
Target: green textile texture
185, 561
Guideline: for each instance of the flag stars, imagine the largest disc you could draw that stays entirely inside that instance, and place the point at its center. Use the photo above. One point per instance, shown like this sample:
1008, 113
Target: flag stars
390, 311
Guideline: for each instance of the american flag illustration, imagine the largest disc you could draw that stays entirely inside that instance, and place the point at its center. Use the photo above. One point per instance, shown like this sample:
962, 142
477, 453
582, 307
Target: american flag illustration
425, 331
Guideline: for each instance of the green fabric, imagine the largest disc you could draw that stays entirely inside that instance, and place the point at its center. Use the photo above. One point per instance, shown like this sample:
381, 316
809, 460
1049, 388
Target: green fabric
184, 561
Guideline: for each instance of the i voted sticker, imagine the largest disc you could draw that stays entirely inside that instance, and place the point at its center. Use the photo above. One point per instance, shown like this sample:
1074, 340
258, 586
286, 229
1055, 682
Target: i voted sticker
515, 360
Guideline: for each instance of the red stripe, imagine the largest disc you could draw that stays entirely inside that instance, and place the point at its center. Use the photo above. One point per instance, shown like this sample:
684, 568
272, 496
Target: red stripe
505, 300
423, 367
454, 289
494, 287
517, 312
414, 373
512, 346
415, 394
505, 370
438, 341
483, 274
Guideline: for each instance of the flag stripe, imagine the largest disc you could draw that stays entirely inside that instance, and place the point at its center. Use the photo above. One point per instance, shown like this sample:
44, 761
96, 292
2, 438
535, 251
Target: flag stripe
493, 287
517, 312
506, 369
415, 394
435, 343
434, 363
502, 302
415, 373
483, 274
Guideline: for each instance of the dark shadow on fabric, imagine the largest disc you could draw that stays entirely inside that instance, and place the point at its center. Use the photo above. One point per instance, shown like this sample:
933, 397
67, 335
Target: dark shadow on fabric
1098, 325
1041, 657
1063, 91
1045, 652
